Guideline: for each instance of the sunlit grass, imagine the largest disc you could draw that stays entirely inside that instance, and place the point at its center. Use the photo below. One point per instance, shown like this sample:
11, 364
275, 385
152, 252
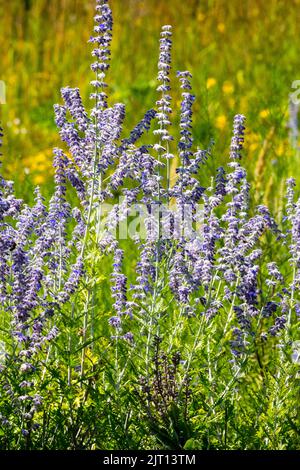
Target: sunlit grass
244, 57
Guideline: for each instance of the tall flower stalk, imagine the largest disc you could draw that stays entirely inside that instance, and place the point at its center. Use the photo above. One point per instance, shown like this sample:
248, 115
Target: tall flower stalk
174, 328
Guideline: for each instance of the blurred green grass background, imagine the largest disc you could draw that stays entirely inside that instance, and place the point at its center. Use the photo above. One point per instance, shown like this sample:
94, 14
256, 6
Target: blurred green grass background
244, 56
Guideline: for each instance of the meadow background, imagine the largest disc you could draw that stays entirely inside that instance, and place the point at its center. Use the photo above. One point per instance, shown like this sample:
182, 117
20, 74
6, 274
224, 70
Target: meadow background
95, 389
244, 57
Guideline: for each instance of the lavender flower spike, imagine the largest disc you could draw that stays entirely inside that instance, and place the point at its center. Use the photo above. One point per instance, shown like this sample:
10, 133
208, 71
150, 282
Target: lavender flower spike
140, 128
101, 52
164, 104
238, 137
119, 284
186, 140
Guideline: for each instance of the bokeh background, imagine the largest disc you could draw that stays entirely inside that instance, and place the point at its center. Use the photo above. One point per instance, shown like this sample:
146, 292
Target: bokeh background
244, 56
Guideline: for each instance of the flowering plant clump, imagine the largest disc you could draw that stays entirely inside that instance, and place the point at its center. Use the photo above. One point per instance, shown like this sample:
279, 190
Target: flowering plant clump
183, 332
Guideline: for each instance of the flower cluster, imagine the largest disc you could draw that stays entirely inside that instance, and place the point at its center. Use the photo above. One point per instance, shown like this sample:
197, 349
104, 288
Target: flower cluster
211, 266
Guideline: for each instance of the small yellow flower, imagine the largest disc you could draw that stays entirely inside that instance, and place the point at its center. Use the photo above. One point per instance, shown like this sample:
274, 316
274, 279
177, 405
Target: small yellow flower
41, 161
41, 157
210, 82
255, 12
39, 178
228, 88
264, 113
221, 122
252, 142
280, 149
252, 147
221, 27
200, 16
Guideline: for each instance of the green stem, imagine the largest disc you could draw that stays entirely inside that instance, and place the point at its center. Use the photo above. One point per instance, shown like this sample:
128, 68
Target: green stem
85, 325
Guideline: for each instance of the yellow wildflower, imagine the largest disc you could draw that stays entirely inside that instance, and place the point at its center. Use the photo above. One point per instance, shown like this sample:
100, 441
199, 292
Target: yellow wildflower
280, 149
39, 178
253, 146
200, 16
228, 88
221, 122
264, 113
210, 82
221, 27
